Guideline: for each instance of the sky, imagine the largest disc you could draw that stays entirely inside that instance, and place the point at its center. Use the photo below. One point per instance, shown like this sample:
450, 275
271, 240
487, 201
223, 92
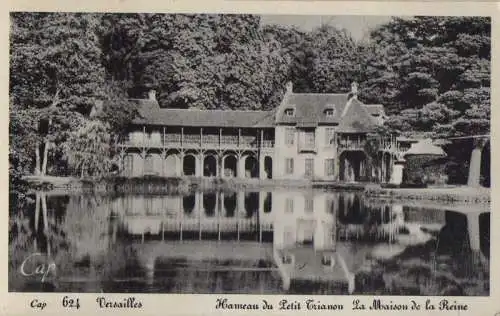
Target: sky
358, 25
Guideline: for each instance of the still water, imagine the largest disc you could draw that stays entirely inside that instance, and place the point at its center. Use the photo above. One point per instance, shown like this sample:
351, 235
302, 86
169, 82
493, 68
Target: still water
304, 242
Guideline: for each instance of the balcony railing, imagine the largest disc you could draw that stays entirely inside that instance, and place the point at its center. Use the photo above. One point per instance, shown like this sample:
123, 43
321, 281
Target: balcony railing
351, 144
207, 143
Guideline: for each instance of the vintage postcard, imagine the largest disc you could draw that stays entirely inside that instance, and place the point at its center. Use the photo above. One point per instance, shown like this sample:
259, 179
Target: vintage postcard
176, 159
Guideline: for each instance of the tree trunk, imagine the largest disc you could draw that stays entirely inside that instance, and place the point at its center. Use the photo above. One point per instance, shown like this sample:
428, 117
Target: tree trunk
45, 156
43, 197
37, 211
475, 163
37, 159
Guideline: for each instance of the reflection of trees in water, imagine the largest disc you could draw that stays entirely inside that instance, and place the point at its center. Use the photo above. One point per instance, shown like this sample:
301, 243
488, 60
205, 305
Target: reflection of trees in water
361, 220
71, 231
484, 228
445, 265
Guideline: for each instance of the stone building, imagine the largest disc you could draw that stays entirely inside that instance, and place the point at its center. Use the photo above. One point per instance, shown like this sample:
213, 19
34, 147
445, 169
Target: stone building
308, 136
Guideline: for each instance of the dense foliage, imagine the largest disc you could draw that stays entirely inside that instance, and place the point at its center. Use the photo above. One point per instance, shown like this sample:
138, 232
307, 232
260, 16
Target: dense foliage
72, 73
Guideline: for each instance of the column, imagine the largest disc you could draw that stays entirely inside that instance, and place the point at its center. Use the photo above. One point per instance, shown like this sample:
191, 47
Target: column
222, 166
241, 166
475, 163
199, 167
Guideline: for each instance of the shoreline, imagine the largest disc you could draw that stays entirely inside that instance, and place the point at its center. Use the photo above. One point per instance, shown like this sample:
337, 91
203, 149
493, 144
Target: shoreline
50, 185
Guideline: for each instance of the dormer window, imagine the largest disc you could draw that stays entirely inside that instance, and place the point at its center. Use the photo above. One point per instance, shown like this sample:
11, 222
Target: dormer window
328, 261
329, 110
289, 112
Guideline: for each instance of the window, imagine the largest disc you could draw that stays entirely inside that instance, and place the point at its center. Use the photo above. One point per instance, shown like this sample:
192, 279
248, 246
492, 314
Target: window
330, 136
310, 139
289, 112
309, 167
289, 165
309, 205
329, 167
290, 136
329, 112
289, 205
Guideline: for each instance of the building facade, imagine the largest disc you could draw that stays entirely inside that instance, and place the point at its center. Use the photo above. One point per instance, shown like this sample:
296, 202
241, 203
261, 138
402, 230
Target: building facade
308, 136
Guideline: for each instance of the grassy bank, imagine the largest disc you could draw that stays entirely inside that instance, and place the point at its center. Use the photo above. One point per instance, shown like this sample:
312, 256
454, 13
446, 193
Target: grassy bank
156, 185
438, 194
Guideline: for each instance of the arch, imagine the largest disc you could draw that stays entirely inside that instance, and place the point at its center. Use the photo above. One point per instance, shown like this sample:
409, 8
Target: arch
268, 167
352, 166
170, 165
209, 203
189, 165
210, 166
251, 167
230, 166
152, 164
230, 204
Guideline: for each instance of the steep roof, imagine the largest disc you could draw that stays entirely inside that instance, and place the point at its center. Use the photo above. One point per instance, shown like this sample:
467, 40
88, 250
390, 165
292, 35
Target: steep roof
425, 147
152, 114
356, 119
310, 108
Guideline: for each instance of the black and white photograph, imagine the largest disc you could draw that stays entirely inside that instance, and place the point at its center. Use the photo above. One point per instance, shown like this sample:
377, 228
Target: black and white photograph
266, 154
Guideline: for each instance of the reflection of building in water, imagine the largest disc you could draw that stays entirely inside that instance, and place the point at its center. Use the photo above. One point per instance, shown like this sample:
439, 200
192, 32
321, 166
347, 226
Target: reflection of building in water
213, 215
305, 241
315, 236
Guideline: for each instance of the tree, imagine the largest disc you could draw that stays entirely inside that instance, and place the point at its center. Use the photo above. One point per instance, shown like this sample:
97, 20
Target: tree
432, 73
88, 149
55, 68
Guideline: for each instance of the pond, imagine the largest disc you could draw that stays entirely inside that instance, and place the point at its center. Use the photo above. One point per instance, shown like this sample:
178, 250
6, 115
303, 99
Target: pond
266, 242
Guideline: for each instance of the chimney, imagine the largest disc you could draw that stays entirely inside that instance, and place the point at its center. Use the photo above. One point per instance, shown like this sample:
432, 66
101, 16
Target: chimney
152, 95
354, 89
289, 87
